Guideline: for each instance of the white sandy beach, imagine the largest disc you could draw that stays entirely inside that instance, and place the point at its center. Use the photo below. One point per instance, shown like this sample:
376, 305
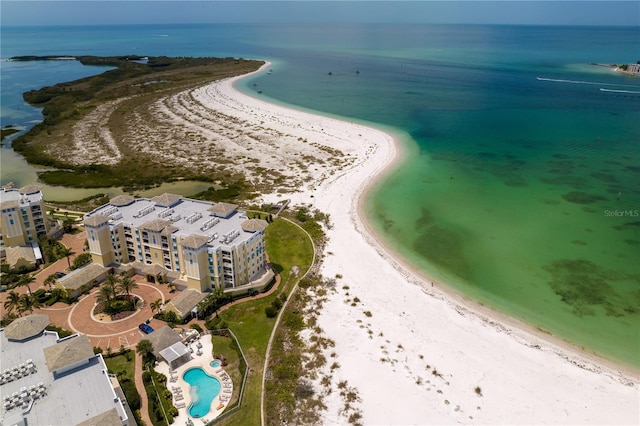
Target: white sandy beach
414, 328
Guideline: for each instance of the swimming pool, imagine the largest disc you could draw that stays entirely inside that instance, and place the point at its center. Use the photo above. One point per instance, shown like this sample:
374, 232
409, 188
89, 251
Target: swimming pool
216, 363
203, 388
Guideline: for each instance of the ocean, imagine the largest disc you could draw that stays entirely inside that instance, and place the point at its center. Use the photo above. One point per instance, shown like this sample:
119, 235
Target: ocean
524, 193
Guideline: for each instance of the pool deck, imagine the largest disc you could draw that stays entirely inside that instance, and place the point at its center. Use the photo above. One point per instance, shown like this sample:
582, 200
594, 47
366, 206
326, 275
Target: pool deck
180, 389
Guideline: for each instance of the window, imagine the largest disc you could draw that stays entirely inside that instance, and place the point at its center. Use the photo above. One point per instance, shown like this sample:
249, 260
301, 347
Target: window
10, 221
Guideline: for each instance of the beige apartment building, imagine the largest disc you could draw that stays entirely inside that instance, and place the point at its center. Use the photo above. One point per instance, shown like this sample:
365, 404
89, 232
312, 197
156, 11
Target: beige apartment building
210, 245
23, 217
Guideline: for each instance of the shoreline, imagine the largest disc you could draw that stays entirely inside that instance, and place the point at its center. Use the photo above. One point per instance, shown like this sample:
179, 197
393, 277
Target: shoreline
417, 276
444, 292
405, 325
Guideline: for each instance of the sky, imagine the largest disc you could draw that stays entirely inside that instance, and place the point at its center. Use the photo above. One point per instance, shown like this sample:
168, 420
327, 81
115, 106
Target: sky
519, 12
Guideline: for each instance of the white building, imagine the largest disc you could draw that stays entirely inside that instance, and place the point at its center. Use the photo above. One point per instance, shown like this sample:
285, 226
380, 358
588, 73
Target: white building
50, 381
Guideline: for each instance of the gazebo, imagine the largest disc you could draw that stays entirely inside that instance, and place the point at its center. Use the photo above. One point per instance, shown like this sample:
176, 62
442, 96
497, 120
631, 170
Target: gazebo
176, 355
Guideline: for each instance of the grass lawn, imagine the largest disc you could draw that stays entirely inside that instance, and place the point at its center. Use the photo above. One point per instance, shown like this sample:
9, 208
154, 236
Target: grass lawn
123, 366
287, 246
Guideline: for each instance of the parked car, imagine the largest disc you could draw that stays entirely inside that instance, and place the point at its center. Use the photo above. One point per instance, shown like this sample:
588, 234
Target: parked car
59, 274
145, 328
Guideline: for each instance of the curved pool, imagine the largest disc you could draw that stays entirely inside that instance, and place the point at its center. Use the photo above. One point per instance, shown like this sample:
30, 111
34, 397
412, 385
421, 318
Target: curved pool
203, 388
215, 363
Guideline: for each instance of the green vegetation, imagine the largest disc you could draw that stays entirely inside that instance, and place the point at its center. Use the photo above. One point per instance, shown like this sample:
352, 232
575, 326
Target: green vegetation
7, 131
135, 84
160, 400
289, 249
114, 296
288, 392
123, 367
237, 189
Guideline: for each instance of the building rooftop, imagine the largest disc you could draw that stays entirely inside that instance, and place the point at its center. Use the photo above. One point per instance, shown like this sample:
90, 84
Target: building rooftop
108, 418
254, 225
217, 224
68, 352
14, 254
82, 394
163, 338
25, 327
81, 276
15, 197
186, 301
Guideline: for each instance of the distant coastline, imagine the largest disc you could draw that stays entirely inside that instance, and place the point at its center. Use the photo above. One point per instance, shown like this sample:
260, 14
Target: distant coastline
627, 69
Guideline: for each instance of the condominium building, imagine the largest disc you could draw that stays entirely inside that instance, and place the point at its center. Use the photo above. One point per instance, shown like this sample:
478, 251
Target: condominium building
210, 245
23, 216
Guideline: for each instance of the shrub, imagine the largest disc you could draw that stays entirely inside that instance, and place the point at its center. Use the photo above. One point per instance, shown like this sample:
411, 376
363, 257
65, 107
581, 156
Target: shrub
131, 393
271, 311
81, 260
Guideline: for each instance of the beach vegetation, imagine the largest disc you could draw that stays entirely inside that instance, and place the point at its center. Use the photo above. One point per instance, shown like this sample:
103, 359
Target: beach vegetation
368, 314
124, 89
478, 391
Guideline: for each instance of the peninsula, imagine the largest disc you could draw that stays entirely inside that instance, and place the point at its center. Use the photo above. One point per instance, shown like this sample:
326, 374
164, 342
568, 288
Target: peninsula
99, 131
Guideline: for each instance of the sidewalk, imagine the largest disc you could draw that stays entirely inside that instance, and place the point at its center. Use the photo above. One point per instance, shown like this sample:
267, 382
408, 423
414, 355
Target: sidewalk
144, 402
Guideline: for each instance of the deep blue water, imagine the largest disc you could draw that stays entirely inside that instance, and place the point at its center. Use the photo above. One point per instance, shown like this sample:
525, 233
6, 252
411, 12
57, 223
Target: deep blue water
525, 191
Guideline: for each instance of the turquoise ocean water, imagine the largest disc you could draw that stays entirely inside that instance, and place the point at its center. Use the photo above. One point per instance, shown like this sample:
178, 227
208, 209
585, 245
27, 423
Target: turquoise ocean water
524, 193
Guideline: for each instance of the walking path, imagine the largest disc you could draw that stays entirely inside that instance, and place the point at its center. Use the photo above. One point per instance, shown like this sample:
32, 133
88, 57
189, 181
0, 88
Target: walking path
144, 401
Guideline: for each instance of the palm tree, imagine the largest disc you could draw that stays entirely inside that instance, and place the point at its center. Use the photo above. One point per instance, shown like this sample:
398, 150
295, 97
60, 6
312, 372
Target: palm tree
105, 294
50, 280
155, 306
67, 252
126, 284
28, 302
112, 282
145, 349
13, 302
171, 287
26, 281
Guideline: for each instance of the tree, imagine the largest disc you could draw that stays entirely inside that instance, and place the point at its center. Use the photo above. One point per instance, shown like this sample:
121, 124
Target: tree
50, 280
145, 349
68, 224
27, 303
67, 252
105, 294
171, 287
13, 302
81, 260
126, 284
26, 281
155, 306
112, 282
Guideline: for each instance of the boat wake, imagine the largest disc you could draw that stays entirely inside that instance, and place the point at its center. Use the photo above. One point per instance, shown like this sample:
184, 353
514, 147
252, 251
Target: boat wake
595, 83
619, 91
